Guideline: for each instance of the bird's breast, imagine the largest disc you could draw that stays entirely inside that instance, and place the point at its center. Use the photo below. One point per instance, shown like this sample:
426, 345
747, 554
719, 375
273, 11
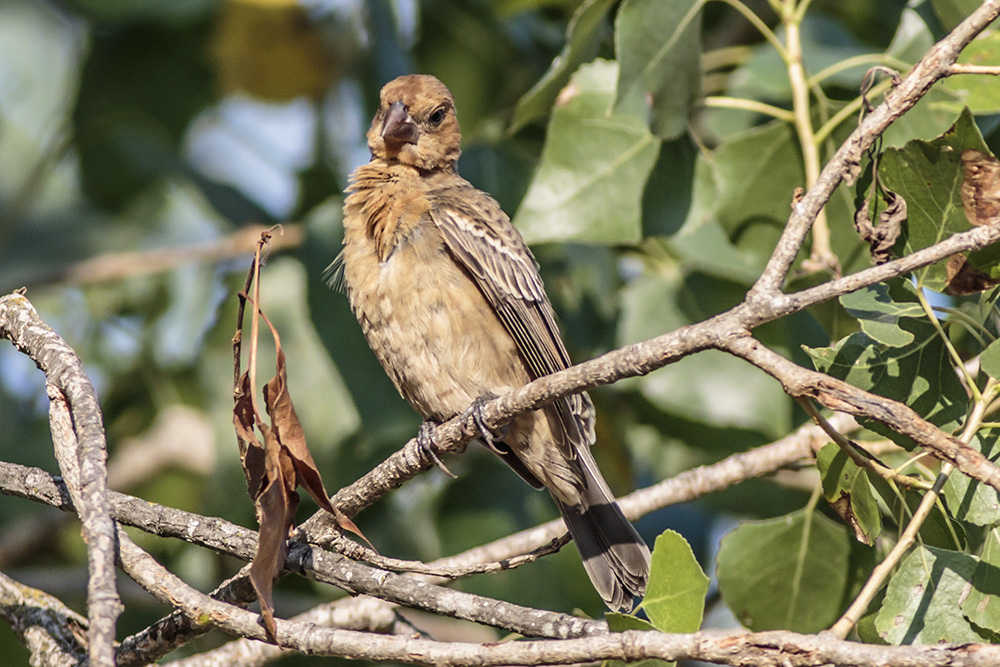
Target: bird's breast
425, 318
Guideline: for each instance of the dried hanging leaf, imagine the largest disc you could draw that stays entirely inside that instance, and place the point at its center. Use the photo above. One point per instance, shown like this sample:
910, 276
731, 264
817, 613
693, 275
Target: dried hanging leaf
882, 237
276, 506
963, 278
842, 506
252, 454
981, 187
288, 430
277, 467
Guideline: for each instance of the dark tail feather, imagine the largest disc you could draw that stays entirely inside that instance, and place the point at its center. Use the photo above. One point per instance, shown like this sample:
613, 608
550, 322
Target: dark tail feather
615, 557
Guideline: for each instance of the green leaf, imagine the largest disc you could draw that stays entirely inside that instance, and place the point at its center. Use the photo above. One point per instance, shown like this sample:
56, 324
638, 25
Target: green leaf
989, 361
978, 92
594, 167
622, 622
937, 530
919, 375
929, 176
756, 174
691, 387
846, 486
582, 37
970, 500
982, 607
795, 572
675, 596
922, 601
658, 45
880, 313
953, 12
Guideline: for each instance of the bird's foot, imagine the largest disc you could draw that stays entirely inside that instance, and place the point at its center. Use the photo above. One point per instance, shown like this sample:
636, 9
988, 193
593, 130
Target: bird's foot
475, 413
425, 441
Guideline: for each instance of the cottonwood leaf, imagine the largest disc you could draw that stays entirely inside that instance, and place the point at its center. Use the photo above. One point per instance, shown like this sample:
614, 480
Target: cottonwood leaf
879, 311
929, 175
795, 572
982, 607
847, 489
675, 595
593, 169
583, 35
969, 499
658, 45
923, 600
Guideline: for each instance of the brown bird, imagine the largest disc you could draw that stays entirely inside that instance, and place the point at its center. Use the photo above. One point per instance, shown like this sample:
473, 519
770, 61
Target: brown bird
450, 300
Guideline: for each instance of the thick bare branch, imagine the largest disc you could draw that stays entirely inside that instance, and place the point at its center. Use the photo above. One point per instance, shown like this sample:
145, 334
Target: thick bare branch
78, 436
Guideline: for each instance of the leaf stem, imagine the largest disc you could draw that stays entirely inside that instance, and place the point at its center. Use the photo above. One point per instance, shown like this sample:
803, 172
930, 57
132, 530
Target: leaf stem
720, 102
952, 352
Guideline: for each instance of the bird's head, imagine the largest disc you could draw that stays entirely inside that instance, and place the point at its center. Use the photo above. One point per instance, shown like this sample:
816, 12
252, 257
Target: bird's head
416, 124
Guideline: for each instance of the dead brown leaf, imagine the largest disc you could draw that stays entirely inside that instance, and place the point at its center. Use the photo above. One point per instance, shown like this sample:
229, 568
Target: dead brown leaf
981, 187
883, 236
963, 278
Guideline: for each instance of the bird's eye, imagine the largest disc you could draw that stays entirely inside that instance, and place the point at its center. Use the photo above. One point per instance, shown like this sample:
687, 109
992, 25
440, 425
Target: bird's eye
437, 116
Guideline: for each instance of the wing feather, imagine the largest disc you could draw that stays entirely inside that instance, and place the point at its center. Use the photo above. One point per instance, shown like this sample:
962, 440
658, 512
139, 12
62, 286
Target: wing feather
483, 240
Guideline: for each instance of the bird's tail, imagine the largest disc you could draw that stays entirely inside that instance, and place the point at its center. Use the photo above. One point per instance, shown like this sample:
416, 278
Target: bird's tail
615, 557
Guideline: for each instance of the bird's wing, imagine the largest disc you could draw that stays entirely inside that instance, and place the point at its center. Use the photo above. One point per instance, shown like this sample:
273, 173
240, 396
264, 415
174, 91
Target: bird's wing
482, 239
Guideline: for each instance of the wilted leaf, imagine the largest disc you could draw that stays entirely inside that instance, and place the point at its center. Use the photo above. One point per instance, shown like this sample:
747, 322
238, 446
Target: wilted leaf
658, 45
252, 454
582, 36
276, 506
796, 572
923, 601
964, 279
981, 187
288, 431
846, 488
594, 167
675, 596
883, 237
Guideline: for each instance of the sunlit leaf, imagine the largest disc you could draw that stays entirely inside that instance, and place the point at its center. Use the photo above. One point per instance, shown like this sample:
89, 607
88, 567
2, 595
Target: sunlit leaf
922, 602
982, 607
795, 572
880, 310
978, 92
594, 167
675, 596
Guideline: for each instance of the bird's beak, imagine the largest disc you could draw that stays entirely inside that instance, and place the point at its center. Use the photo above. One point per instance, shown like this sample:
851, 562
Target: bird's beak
398, 127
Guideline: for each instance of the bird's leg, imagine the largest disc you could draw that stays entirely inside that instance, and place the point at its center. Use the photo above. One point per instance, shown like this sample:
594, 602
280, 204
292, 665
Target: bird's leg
425, 441
475, 413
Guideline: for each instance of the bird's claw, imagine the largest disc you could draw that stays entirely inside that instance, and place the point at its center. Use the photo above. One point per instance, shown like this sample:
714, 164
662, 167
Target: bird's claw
475, 413
425, 441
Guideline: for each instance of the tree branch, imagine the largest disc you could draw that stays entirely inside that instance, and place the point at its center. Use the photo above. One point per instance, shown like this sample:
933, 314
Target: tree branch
78, 436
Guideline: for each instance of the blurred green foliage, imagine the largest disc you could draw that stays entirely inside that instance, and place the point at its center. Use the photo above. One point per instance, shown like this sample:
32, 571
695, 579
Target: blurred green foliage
138, 127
